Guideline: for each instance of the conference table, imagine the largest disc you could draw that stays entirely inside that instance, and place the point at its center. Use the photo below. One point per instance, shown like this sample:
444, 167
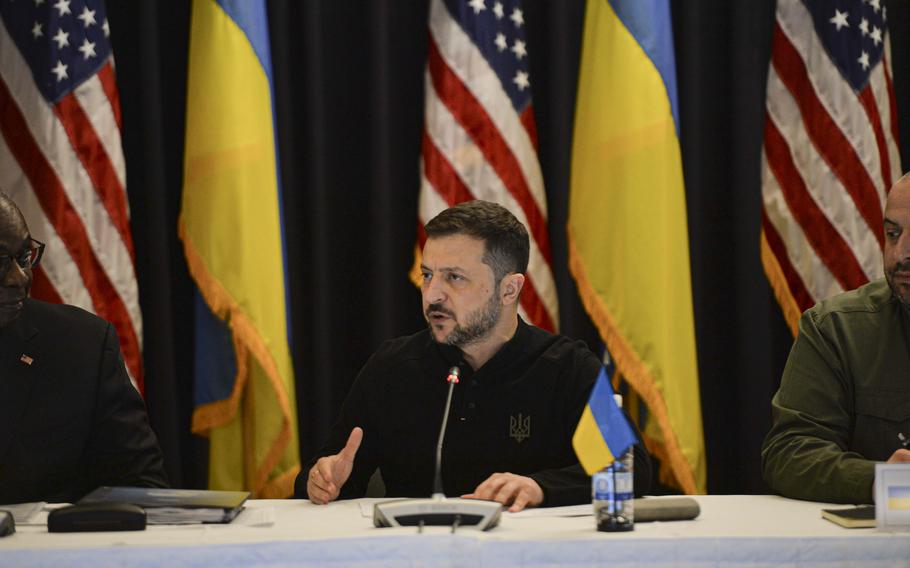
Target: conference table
739, 530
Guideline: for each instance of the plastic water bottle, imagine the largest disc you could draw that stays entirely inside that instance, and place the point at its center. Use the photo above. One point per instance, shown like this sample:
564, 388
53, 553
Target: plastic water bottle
612, 492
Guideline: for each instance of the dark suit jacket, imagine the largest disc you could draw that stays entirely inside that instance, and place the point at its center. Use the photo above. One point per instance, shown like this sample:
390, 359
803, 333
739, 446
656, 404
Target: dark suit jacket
70, 420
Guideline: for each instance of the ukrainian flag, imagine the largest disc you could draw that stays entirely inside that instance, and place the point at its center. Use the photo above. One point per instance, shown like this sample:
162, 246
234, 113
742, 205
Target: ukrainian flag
628, 240
230, 224
602, 434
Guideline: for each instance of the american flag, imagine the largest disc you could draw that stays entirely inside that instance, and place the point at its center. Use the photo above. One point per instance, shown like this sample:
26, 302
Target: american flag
830, 151
480, 139
62, 162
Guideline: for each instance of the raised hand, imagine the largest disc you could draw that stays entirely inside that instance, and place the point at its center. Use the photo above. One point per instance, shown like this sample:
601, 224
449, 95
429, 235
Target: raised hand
330, 473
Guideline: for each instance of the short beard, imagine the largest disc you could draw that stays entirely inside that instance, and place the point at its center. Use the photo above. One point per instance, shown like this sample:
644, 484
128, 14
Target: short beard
903, 298
477, 326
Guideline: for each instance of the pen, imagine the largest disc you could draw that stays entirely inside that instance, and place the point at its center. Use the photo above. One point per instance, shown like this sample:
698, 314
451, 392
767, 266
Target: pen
905, 442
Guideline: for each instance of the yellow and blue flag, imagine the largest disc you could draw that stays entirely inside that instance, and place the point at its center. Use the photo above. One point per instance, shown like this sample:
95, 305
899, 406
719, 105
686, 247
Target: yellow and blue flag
231, 227
602, 434
627, 233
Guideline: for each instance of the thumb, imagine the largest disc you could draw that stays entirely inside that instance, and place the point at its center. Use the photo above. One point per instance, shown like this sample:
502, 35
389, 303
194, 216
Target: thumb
350, 448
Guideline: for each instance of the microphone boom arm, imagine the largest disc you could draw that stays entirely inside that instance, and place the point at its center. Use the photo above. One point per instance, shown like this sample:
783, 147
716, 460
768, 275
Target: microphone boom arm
437, 479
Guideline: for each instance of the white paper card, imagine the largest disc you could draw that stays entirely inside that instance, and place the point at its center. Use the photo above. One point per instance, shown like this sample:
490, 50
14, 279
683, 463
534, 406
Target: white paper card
256, 517
23, 512
585, 510
892, 496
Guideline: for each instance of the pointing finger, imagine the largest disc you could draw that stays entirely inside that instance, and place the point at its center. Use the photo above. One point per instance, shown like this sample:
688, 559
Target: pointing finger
353, 444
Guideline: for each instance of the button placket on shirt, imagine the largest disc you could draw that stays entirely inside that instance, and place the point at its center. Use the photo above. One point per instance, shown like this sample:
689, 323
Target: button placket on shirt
469, 407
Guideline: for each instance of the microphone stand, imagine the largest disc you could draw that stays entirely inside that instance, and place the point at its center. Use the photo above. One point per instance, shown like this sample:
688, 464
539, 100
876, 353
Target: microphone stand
437, 477
438, 510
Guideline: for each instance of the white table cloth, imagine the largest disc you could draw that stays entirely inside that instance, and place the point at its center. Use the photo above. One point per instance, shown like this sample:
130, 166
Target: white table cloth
738, 530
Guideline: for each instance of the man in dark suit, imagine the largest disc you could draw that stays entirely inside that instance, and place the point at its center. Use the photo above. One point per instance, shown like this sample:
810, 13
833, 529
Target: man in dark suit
70, 420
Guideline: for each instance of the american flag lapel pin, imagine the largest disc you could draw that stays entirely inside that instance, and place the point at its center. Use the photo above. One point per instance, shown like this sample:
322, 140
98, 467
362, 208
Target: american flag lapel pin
28, 360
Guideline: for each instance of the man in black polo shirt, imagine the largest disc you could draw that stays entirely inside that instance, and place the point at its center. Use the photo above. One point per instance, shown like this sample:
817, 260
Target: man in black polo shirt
521, 393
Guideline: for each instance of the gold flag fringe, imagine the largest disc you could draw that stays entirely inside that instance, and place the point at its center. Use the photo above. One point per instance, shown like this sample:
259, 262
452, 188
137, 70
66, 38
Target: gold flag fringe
415, 275
247, 341
779, 284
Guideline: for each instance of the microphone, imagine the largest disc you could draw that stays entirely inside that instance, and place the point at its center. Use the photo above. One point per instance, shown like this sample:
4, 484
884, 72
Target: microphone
452, 379
438, 510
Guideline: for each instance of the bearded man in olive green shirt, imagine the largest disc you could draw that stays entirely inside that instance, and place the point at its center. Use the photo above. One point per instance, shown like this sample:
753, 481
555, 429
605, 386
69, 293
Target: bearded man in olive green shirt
845, 392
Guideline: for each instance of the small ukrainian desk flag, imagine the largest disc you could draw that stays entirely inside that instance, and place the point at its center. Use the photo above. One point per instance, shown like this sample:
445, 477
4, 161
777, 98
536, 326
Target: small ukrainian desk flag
603, 433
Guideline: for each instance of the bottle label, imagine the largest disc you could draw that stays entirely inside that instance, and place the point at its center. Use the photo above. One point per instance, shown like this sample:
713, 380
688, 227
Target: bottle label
623, 489
607, 485
602, 484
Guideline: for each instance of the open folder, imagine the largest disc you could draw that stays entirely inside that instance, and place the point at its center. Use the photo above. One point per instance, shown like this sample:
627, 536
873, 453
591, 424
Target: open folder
175, 506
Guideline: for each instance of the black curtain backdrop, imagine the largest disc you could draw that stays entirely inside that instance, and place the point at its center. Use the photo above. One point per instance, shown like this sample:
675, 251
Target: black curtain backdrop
349, 97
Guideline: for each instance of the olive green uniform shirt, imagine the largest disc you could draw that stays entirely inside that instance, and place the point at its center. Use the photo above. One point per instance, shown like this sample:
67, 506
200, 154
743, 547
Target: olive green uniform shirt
843, 398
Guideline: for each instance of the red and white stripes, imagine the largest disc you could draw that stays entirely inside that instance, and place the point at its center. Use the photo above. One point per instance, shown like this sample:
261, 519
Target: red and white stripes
830, 155
475, 146
63, 165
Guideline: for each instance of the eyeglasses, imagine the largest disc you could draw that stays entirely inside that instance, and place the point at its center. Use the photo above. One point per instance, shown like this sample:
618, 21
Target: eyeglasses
29, 258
